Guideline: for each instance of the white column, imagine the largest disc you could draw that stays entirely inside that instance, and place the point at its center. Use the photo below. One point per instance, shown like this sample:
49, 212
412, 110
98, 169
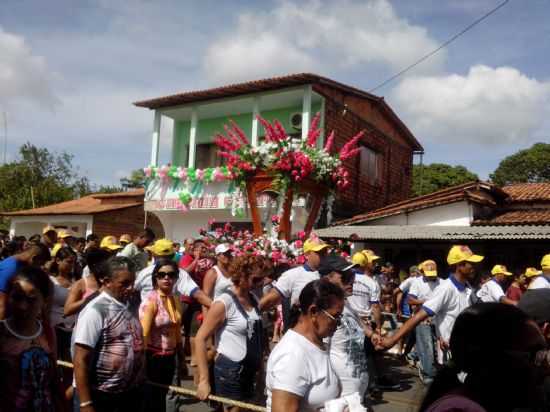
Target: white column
255, 114
306, 111
193, 137
12, 227
156, 138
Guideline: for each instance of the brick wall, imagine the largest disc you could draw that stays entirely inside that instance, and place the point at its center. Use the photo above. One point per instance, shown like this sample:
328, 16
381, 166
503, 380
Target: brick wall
395, 155
130, 220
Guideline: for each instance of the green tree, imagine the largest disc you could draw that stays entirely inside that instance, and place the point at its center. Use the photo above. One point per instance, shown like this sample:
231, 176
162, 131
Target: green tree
436, 176
39, 178
135, 181
526, 166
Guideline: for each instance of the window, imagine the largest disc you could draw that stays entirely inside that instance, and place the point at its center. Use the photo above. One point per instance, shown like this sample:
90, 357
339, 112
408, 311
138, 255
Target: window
370, 165
206, 155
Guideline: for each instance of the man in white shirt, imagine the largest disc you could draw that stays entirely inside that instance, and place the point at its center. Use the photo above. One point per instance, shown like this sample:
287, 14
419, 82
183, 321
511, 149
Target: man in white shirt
185, 285
542, 281
422, 290
291, 282
493, 290
403, 290
447, 302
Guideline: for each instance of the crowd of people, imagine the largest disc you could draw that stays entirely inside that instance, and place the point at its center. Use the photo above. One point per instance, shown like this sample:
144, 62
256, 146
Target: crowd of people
131, 311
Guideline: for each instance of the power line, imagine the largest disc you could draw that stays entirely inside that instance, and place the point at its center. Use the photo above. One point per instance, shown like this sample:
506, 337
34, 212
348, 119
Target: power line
430, 54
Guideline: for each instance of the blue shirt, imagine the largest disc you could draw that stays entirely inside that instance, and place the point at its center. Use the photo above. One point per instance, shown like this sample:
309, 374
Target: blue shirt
8, 269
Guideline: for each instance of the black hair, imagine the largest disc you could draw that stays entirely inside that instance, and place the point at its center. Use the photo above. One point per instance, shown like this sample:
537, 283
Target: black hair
114, 264
80, 240
320, 293
92, 237
41, 251
33, 275
35, 238
147, 233
480, 335
160, 263
95, 258
62, 254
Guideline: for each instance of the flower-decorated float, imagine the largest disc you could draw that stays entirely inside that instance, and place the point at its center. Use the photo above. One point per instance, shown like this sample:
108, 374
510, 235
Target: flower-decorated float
280, 166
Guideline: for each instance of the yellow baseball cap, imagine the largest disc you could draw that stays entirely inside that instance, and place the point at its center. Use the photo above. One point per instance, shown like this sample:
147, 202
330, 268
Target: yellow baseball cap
48, 228
370, 255
55, 249
314, 245
428, 268
162, 247
531, 272
462, 253
545, 262
500, 270
126, 238
64, 233
359, 258
110, 242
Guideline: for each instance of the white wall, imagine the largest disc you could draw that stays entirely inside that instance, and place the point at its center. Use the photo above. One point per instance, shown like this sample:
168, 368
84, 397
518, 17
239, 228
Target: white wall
454, 214
31, 225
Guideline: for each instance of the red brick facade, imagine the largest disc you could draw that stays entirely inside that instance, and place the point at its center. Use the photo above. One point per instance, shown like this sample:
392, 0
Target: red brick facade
347, 115
130, 220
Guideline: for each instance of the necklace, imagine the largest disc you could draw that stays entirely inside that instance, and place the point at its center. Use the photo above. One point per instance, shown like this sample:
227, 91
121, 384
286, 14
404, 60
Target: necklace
17, 335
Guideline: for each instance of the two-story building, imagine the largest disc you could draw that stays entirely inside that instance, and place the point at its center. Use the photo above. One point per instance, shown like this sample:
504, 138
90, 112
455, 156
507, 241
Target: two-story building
380, 175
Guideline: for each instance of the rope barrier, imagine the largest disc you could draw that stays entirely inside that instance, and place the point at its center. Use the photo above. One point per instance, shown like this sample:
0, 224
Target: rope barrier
190, 392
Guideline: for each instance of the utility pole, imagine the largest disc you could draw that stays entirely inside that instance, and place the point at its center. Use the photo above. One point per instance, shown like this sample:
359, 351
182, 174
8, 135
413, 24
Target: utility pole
5, 136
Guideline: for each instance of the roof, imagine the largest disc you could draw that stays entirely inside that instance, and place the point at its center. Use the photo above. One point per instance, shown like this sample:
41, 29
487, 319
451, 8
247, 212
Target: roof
467, 191
518, 217
87, 205
274, 83
527, 192
451, 233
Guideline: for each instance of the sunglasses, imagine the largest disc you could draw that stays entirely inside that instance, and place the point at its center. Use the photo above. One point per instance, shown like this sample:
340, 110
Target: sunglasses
171, 275
335, 318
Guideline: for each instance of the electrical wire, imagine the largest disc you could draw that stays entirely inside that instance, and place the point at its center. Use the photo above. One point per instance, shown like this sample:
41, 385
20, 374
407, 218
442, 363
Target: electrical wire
449, 41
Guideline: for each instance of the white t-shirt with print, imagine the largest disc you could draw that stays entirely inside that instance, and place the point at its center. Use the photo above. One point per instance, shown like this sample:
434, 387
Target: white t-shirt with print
347, 353
300, 367
490, 291
291, 282
446, 303
540, 282
231, 337
366, 292
185, 285
423, 289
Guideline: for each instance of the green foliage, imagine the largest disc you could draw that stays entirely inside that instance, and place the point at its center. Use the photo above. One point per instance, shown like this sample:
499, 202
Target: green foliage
526, 166
39, 178
135, 181
437, 176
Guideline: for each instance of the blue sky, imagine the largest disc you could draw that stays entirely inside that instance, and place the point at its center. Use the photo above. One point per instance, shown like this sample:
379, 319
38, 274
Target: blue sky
69, 71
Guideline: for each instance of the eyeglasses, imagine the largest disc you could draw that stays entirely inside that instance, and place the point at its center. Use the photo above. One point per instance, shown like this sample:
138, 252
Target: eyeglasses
335, 318
171, 275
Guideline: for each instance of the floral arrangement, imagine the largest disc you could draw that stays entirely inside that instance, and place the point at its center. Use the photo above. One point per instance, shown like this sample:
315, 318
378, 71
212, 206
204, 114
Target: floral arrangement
278, 250
288, 160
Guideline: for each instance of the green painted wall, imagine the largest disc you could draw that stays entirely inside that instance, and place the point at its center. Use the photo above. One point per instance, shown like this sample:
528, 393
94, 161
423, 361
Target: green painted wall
208, 128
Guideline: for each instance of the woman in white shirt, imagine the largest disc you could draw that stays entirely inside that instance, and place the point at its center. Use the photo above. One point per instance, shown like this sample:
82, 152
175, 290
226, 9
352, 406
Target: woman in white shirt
235, 320
299, 375
217, 280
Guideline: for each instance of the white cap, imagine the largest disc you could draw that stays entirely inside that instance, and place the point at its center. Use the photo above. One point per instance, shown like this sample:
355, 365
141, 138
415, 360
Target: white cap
222, 248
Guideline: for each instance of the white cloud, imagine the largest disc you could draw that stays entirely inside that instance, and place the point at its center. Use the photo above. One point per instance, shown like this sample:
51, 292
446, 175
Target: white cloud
317, 36
23, 75
488, 105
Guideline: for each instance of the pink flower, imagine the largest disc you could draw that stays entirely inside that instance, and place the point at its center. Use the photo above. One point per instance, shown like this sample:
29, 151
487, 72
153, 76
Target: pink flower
148, 171
182, 173
298, 244
199, 174
301, 235
300, 260
163, 172
275, 219
211, 221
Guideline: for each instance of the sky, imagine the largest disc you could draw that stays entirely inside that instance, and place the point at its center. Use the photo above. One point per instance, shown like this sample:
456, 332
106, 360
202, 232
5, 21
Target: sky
70, 70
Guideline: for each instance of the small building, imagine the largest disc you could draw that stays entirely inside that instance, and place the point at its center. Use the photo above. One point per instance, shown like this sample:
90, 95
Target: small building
509, 225
380, 175
102, 214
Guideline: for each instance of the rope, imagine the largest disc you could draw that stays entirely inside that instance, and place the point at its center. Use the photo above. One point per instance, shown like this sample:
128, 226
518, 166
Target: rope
190, 392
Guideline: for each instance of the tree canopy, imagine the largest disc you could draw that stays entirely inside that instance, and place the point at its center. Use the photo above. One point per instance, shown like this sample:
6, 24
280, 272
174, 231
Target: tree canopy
526, 166
437, 176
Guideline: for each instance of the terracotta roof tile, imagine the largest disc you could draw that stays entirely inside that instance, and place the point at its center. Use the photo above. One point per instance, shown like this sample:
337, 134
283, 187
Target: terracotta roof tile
441, 197
87, 205
525, 192
518, 217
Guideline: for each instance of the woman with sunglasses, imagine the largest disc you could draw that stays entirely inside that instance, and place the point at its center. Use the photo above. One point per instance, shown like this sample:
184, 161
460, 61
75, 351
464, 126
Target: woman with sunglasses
235, 320
160, 316
300, 376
